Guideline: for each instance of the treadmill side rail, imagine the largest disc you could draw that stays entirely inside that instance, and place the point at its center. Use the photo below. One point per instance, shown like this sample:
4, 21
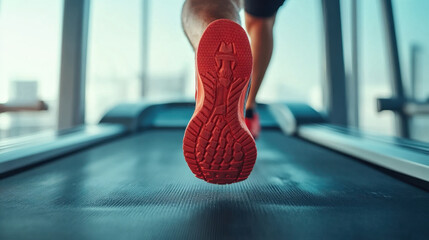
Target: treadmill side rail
407, 158
56, 145
398, 159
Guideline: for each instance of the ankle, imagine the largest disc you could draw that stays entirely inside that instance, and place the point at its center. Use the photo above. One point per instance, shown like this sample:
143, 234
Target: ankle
250, 105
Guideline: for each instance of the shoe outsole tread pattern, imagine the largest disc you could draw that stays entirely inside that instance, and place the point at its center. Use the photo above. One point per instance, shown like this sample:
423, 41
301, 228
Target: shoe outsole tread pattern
217, 144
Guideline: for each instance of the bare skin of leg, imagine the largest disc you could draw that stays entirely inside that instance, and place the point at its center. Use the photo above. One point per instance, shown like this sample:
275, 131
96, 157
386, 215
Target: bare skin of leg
261, 35
197, 14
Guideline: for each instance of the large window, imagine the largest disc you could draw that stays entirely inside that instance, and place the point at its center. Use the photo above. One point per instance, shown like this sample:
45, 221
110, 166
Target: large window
296, 69
411, 18
373, 66
30, 41
171, 58
114, 55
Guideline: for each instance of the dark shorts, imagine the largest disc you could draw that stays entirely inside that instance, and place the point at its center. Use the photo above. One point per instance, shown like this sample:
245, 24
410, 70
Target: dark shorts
262, 8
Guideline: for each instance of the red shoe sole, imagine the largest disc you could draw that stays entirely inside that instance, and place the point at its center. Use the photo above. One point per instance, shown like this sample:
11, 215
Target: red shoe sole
217, 145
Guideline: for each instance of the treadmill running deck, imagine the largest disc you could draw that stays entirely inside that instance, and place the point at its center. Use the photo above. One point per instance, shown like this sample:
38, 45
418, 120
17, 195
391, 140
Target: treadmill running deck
140, 187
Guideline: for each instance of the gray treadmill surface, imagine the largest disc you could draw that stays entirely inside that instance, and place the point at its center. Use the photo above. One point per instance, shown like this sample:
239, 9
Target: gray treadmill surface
140, 187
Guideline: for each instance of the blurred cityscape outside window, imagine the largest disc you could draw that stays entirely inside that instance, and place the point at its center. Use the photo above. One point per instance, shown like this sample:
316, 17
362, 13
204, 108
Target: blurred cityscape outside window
30, 41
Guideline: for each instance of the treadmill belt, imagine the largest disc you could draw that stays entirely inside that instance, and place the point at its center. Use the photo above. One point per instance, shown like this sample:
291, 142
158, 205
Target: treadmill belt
140, 187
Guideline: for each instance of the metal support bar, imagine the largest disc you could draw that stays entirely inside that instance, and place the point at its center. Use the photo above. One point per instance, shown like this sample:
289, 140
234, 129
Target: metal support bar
414, 50
73, 63
353, 84
335, 79
402, 126
145, 45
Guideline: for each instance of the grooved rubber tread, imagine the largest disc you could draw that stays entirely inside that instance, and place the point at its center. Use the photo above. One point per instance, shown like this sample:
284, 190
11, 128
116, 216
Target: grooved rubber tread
217, 145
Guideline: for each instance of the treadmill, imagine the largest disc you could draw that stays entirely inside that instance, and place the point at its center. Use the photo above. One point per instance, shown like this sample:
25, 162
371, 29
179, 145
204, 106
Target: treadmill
126, 178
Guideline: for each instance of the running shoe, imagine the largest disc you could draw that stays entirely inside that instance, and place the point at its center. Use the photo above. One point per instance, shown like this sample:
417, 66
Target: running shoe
217, 145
